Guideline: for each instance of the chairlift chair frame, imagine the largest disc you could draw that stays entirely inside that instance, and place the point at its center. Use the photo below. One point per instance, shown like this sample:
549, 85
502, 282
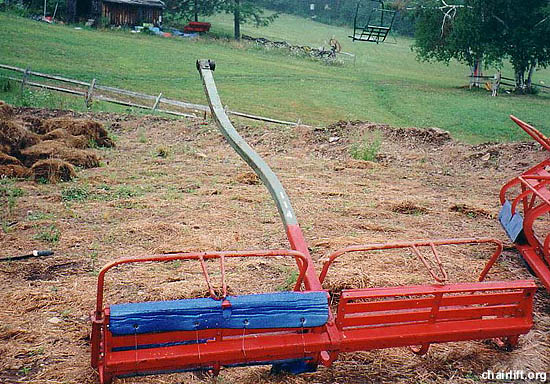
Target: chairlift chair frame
295, 331
377, 28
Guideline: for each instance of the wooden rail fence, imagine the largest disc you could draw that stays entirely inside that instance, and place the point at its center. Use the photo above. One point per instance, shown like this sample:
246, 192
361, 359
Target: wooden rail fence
494, 83
93, 90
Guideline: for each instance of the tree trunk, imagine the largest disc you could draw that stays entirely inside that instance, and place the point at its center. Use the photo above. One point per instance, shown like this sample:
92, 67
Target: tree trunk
529, 82
196, 11
476, 72
237, 19
520, 79
96, 11
71, 11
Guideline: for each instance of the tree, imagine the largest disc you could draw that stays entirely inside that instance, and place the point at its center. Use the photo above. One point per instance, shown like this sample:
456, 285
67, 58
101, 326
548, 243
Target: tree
187, 9
488, 30
525, 27
246, 11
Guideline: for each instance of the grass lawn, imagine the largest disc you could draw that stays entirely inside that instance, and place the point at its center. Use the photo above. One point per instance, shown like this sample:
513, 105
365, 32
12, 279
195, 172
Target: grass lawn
386, 84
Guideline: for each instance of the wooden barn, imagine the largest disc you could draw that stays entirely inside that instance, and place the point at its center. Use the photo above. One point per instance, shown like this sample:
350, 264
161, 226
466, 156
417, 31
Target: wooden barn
132, 12
117, 12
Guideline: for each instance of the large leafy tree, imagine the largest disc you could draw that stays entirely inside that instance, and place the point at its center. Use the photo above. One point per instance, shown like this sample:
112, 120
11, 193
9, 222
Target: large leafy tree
525, 28
191, 9
489, 30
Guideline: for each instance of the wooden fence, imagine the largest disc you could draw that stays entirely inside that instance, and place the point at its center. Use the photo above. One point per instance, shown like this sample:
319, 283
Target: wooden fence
93, 90
494, 83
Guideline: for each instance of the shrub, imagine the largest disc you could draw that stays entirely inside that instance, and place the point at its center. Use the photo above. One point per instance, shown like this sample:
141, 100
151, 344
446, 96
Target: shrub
367, 148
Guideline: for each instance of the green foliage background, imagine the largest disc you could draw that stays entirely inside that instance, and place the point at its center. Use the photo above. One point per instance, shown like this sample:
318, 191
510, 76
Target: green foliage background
384, 83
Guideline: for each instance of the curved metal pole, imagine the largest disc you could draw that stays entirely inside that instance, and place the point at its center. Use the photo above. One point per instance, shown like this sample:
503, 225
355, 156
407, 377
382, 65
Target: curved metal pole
244, 150
260, 167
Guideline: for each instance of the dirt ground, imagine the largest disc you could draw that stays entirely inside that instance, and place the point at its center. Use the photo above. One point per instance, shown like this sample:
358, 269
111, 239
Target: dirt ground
176, 185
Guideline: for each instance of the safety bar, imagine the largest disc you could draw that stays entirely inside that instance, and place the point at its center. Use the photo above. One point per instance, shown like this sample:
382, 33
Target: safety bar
302, 264
528, 190
414, 245
533, 132
534, 190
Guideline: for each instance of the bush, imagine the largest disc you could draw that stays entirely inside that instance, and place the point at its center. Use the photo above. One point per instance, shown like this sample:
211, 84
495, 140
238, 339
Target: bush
49, 234
75, 193
367, 149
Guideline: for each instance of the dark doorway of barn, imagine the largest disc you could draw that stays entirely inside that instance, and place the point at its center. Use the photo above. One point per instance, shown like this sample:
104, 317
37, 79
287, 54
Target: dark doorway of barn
83, 9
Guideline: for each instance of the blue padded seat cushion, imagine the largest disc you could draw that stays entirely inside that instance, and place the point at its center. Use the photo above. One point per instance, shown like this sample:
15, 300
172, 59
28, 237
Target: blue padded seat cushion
265, 310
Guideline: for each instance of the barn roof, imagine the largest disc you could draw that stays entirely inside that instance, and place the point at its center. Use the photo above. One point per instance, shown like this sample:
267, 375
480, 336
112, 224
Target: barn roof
146, 3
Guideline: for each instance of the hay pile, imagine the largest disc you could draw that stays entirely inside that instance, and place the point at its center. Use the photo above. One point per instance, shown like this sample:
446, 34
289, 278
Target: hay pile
11, 166
92, 130
6, 111
13, 137
48, 149
249, 178
53, 170
73, 141
53, 149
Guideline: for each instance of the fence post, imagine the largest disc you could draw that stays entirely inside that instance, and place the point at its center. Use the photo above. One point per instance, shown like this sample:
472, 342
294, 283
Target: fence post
157, 102
496, 84
89, 94
25, 78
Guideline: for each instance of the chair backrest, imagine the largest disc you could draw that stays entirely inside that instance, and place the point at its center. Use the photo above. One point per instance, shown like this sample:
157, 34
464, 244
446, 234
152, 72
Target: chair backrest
382, 307
382, 18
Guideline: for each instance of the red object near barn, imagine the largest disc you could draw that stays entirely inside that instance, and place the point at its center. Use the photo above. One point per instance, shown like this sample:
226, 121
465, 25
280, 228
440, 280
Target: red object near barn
196, 26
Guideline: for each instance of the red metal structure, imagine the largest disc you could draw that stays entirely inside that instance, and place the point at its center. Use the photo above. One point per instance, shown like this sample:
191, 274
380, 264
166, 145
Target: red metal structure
196, 26
296, 331
529, 203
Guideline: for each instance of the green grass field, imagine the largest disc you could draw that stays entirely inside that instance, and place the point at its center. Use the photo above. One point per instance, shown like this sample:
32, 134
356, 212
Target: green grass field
385, 85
